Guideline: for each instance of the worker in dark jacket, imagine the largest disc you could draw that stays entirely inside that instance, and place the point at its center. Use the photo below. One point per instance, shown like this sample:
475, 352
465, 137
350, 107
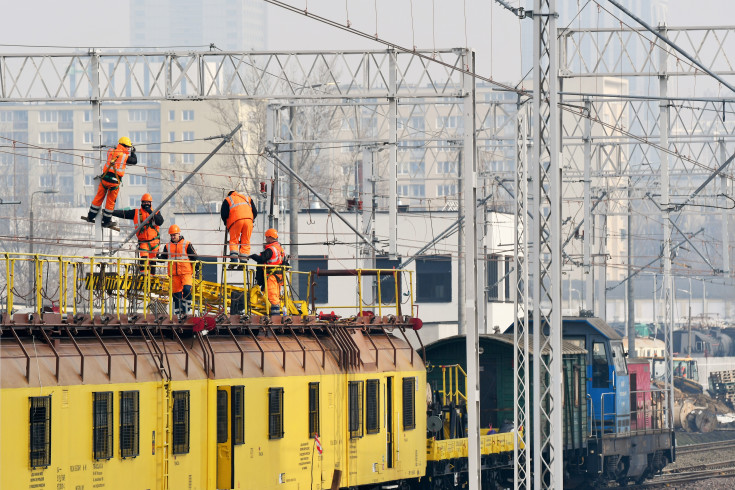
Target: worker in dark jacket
238, 213
274, 257
149, 237
181, 273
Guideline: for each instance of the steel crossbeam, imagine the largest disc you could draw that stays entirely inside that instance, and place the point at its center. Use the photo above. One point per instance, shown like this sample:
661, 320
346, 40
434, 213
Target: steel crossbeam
212, 75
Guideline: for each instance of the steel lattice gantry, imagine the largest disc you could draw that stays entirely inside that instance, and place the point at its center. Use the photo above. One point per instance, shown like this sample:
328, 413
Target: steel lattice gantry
670, 145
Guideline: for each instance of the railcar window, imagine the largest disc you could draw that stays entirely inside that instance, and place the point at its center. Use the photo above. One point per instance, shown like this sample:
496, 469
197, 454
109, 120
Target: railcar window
181, 422
619, 358
600, 374
313, 409
409, 403
102, 425
40, 431
372, 404
275, 413
129, 424
238, 414
355, 408
222, 416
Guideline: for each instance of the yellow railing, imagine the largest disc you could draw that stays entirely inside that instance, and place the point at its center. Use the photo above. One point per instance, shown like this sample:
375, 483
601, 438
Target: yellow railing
362, 302
116, 286
450, 384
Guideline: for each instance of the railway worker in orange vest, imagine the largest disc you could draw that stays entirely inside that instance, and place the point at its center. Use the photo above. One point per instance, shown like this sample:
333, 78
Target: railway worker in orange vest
180, 273
148, 236
238, 213
110, 181
274, 257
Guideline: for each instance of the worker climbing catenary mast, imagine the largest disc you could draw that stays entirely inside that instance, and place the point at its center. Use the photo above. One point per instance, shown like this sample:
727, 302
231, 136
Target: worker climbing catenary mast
111, 180
149, 236
238, 213
274, 258
180, 273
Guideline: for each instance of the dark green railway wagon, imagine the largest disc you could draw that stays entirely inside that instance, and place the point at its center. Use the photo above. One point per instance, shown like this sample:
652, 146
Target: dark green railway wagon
497, 377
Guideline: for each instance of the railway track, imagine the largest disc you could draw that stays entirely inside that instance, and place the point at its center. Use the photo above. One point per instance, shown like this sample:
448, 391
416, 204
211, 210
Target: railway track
685, 477
706, 446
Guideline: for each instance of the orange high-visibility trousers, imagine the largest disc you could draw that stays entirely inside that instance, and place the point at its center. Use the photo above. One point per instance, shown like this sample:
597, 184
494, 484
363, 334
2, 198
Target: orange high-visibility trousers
149, 251
102, 191
274, 290
178, 282
240, 233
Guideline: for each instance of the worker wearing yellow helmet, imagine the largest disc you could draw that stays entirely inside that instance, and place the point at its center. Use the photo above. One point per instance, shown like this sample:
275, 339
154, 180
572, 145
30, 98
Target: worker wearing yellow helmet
148, 234
110, 181
180, 272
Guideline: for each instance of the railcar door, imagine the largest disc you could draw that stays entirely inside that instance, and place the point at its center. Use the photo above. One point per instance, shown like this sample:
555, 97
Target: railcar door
224, 439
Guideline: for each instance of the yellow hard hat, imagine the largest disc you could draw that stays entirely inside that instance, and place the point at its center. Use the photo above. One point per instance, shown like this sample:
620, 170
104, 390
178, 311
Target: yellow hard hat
271, 233
125, 141
174, 229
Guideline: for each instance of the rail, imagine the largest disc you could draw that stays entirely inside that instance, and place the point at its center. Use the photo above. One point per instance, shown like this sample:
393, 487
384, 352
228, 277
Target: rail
114, 288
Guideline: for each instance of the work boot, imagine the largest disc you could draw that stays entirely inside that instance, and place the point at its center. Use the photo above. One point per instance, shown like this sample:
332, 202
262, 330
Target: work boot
109, 224
275, 310
89, 218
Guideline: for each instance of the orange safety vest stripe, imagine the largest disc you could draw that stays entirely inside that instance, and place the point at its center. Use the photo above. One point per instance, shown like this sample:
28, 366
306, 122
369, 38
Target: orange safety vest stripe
150, 231
277, 255
177, 251
240, 208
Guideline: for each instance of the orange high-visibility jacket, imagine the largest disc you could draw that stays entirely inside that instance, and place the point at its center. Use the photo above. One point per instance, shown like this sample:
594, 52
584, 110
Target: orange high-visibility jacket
278, 255
150, 231
241, 207
115, 167
177, 251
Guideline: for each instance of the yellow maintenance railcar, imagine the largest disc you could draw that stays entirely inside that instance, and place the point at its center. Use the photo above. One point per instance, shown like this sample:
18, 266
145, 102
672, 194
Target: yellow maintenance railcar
282, 410
102, 386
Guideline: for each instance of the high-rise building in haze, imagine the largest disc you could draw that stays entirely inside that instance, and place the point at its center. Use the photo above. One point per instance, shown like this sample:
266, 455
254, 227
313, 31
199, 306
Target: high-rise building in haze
232, 25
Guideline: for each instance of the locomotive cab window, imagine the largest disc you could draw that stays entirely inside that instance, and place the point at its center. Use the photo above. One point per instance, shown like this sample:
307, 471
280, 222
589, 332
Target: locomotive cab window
619, 358
600, 373
181, 422
102, 425
40, 431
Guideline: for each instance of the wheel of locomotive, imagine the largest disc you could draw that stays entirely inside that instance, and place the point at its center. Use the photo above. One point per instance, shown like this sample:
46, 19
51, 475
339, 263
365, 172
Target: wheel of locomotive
621, 472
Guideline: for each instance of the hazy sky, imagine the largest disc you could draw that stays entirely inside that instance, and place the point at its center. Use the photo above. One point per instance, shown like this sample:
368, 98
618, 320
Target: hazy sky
41, 25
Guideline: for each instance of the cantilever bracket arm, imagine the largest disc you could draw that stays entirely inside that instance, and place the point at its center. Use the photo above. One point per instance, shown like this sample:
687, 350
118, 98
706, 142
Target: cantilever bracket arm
272, 154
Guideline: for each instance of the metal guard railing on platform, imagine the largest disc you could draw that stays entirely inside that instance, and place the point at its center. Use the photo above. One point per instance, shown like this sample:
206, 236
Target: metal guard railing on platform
120, 286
